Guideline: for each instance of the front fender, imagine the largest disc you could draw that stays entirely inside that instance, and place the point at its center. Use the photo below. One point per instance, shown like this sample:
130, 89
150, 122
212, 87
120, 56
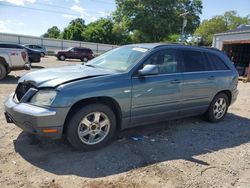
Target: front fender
116, 89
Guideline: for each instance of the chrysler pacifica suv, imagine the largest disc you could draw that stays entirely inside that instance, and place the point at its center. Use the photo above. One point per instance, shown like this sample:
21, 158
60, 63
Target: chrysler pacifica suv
128, 86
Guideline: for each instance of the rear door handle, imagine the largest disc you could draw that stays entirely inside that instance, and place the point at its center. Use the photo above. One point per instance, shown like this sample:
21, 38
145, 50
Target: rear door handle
211, 78
177, 81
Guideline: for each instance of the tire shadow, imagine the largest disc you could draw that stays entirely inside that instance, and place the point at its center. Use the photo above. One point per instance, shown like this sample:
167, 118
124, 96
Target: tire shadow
10, 79
179, 139
37, 67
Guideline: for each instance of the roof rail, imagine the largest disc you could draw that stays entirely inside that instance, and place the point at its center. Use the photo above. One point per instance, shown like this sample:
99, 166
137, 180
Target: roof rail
211, 48
169, 43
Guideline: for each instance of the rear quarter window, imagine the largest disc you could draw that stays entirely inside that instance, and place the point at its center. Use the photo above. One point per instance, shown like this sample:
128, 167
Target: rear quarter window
217, 62
87, 51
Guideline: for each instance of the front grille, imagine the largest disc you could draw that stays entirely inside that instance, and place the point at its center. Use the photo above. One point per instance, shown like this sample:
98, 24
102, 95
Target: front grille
21, 89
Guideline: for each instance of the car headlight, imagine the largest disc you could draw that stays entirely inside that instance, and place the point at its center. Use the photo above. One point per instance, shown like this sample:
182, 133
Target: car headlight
43, 97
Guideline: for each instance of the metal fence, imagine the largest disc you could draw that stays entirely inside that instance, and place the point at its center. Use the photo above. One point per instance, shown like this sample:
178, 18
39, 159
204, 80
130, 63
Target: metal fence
54, 44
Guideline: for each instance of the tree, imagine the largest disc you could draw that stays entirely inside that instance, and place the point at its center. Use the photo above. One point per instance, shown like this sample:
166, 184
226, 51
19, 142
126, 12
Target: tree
153, 21
99, 31
209, 27
233, 20
217, 24
74, 31
52, 32
105, 30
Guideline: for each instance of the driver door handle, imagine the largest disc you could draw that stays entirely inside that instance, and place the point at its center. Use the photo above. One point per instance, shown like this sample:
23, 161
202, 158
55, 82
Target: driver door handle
211, 78
177, 81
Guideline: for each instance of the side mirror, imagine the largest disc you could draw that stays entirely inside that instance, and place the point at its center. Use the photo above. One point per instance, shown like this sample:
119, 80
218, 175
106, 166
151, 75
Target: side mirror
149, 70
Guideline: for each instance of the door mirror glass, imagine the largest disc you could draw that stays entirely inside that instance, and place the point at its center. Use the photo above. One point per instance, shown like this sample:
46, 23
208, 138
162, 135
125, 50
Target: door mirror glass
149, 70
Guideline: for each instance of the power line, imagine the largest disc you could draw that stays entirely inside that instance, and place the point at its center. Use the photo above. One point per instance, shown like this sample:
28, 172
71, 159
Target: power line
67, 8
47, 10
103, 1
49, 5
40, 9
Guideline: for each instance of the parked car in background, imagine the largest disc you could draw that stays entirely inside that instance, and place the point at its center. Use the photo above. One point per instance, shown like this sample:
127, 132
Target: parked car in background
84, 54
128, 86
12, 59
33, 55
41, 49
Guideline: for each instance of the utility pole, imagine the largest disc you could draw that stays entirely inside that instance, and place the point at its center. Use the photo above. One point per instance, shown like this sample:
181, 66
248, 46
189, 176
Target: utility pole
184, 23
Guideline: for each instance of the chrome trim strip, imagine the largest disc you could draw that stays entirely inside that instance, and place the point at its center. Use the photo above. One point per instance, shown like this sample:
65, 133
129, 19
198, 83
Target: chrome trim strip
180, 73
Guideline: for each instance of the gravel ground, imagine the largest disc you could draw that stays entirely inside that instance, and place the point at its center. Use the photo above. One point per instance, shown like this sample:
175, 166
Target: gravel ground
182, 153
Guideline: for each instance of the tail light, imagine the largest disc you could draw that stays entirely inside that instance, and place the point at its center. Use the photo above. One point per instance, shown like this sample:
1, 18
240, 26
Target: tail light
24, 55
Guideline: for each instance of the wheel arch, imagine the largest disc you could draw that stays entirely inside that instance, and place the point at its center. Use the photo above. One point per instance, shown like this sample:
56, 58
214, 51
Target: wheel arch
228, 93
59, 55
3, 61
109, 101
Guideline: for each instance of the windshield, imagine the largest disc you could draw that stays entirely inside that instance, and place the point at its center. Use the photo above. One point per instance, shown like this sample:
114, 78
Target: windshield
119, 59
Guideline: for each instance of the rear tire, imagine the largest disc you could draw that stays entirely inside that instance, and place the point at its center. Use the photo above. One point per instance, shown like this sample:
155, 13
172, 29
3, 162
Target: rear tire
3, 71
91, 127
218, 108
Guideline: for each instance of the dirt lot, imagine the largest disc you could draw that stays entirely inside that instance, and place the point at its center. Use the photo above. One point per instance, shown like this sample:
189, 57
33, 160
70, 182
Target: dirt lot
183, 153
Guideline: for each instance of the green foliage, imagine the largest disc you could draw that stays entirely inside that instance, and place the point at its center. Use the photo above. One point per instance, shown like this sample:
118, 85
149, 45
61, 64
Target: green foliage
208, 28
233, 20
99, 31
74, 31
52, 32
105, 31
135, 21
172, 38
217, 24
152, 21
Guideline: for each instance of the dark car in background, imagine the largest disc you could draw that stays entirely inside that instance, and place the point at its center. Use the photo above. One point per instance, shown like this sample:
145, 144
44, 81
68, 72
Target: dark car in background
34, 56
41, 49
84, 54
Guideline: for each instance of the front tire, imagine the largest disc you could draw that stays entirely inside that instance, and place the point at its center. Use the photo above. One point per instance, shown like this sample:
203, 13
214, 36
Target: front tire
62, 57
3, 71
84, 59
91, 127
218, 108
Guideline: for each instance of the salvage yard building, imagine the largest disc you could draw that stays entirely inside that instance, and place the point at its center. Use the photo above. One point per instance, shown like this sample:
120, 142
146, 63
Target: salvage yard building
236, 44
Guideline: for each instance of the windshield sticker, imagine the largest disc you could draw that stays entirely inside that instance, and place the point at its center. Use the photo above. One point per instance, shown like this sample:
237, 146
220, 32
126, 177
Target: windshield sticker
140, 49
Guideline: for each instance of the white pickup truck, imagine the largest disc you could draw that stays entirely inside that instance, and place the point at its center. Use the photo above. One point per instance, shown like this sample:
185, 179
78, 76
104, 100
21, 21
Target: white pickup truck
12, 59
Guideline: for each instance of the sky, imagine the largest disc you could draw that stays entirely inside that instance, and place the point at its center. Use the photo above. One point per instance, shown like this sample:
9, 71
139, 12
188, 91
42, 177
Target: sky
34, 17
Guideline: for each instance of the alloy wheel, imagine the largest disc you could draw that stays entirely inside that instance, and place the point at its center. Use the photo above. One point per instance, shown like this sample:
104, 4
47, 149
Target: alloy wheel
220, 107
93, 128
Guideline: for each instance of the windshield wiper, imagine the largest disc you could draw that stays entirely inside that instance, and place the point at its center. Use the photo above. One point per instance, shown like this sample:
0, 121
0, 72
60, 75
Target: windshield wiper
91, 66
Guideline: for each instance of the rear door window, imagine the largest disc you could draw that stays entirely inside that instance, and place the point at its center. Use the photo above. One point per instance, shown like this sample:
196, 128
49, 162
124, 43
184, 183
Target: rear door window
194, 61
37, 47
217, 62
78, 50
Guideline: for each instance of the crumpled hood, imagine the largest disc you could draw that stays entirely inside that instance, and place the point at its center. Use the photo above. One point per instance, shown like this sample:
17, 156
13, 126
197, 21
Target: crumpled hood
53, 77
